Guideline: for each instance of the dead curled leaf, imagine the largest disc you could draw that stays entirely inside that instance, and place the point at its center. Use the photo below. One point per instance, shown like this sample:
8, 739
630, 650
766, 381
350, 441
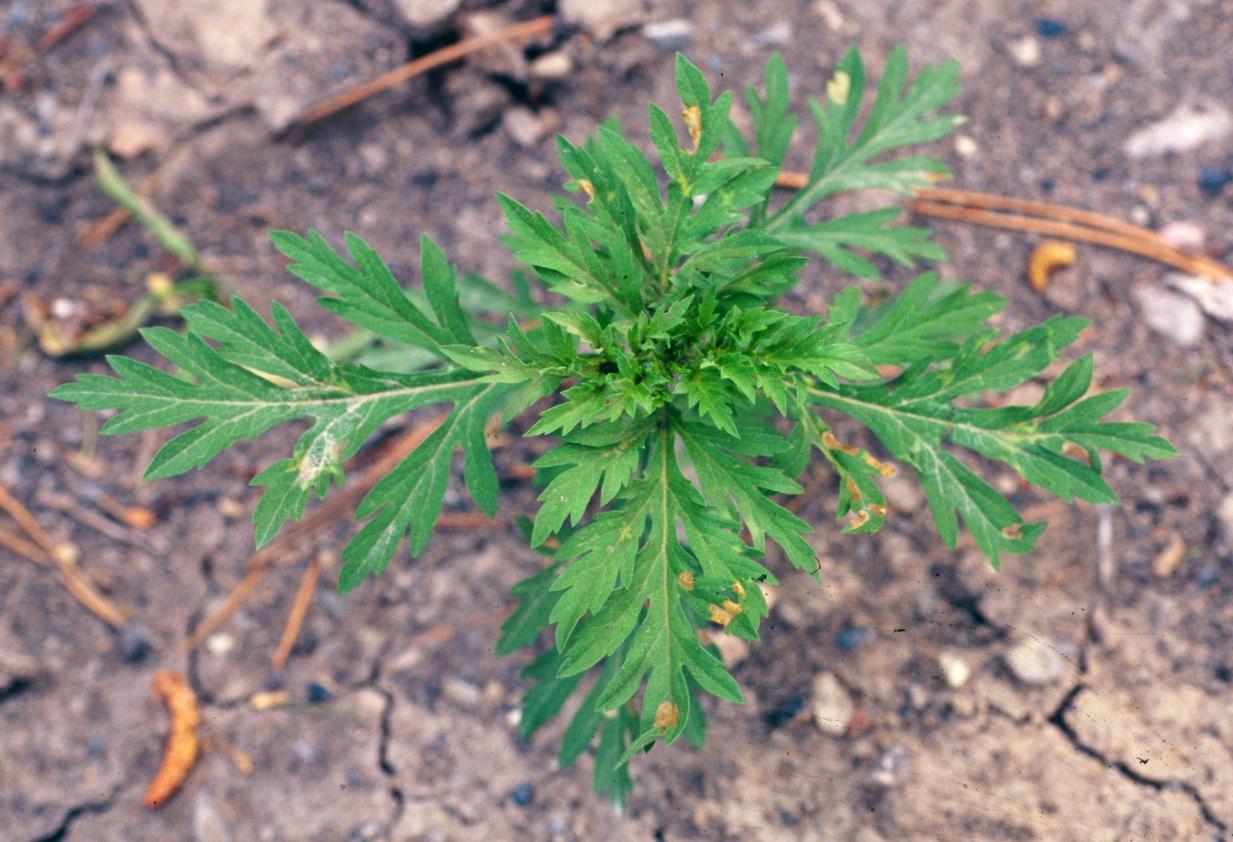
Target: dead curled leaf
182, 740
1046, 259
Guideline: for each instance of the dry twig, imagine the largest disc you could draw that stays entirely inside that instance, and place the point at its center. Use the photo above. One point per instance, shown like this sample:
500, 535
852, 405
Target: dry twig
1050, 219
359, 93
299, 609
43, 550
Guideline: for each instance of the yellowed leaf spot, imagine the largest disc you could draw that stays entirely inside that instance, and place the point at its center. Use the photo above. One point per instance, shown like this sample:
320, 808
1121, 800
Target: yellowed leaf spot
838, 87
685, 579
879, 466
587, 187
692, 117
666, 715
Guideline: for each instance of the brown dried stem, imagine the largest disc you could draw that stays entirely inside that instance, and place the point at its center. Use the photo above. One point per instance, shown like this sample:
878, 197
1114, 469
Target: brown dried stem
1050, 219
299, 609
43, 550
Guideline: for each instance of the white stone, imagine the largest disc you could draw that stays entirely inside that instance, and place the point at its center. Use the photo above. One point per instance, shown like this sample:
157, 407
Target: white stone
1035, 661
219, 644
1172, 315
965, 146
1025, 51
673, 34
831, 705
955, 670
554, 65
424, 14
1213, 297
1185, 129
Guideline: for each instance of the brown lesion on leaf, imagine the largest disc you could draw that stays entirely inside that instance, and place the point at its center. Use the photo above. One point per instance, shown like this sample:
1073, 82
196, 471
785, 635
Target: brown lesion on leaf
685, 579
666, 716
831, 443
1013, 532
692, 117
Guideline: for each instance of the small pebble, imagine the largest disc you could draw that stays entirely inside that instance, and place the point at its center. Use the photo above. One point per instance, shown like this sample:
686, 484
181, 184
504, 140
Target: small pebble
774, 37
850, 637
554, 65
831, 705
523, 794
1050, 28
955, 670
464, 693
672, 34
318, 693
1035, 661
965, 146
523, 125
1025, 51
219, 644
133, 643
892, 767
1214, 179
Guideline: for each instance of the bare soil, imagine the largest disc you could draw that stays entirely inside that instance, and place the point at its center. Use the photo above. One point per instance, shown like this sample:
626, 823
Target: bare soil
1125, 733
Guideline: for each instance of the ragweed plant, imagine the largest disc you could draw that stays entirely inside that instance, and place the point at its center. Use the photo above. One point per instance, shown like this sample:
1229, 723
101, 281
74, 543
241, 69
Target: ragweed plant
682, 398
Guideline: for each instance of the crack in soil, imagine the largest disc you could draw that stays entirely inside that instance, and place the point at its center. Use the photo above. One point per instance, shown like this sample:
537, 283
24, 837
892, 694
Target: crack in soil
168, 54
1058, 720
383, 759
75, 812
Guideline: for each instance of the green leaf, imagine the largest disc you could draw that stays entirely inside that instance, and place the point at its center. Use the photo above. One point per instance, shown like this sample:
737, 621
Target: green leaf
916, 414
663, 645
536, 601
366, 294
898, 118
872, 232
409, 497
346, 403
928, 320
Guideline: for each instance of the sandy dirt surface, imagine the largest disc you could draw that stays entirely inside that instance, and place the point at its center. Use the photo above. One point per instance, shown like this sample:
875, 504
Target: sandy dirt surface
1080, 694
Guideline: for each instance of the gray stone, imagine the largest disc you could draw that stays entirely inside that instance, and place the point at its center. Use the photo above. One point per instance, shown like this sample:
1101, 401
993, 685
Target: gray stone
773, 37
523, 126
602, 18
1035, 661
1172, 315
672, 34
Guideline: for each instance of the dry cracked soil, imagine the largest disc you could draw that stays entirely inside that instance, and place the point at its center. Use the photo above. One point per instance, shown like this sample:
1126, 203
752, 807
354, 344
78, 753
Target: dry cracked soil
1081, 693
